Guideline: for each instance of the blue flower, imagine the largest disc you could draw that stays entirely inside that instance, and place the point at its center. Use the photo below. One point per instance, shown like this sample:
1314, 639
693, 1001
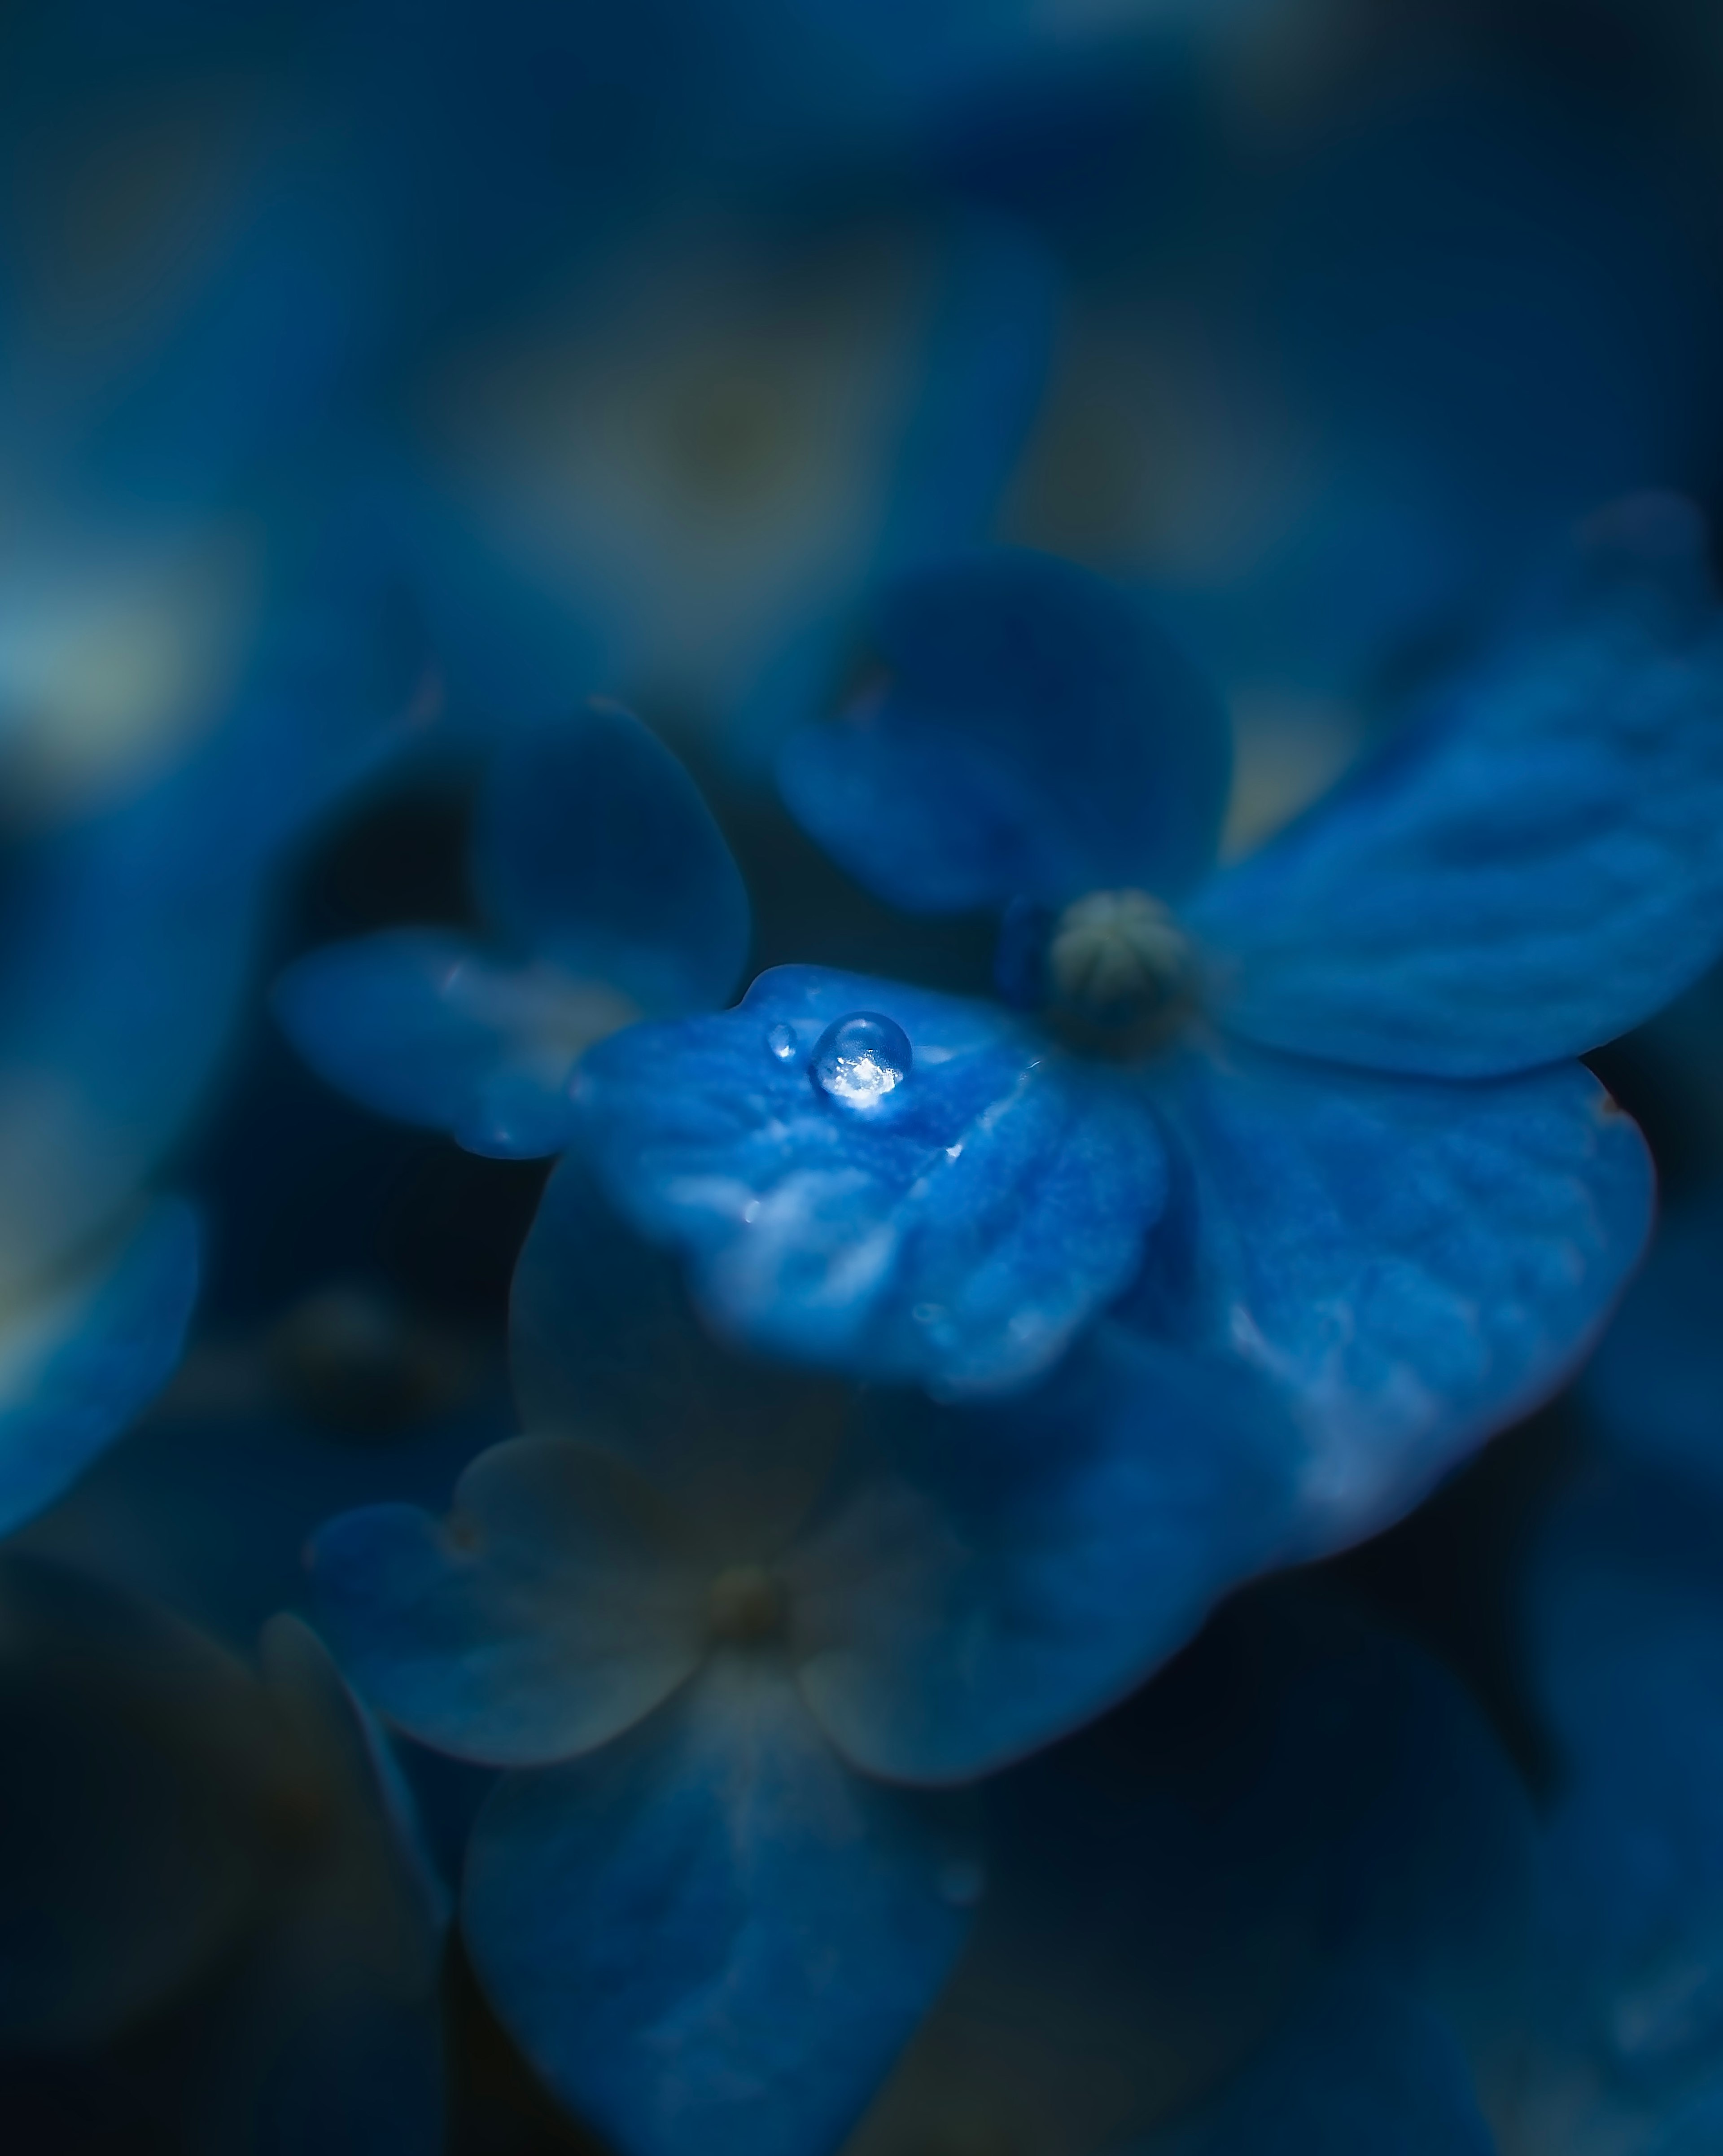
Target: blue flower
706, 1919
613, 894
1288, 1198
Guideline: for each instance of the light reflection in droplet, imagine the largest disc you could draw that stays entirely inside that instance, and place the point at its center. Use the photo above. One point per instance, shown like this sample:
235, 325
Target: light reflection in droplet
861, 1059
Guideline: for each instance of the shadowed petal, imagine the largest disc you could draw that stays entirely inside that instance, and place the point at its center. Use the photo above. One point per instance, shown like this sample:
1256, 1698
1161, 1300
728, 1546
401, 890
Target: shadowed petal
993, 1576
712, 1936
1038, 738
1364, 2070
551, 1610
594, 849
1533, 866
956, 1231
79, 1359
421, 1024
604, 1346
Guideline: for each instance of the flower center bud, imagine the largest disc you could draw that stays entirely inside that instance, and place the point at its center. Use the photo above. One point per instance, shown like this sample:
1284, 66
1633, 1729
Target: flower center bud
746, 1605
1119, 958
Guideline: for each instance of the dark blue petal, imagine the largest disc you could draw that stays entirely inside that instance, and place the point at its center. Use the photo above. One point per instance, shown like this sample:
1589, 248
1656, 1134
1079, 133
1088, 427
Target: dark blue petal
605, 1347
1409, 1264
712, 1936
994, 1576
1533, 866
1035, 738
957, 1234
554, 1607
422, 1024
82, 1356
1626, 1638
1363, 2070
1654, 1388
594, 849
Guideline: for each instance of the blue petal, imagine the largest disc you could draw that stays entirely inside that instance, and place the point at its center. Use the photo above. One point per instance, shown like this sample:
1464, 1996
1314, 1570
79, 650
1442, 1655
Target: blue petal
422, 1024
1533, 866
594, 849
605, 1347
1363, 2070
556, 1607
995, 1576
1626, 1634
81, 1356
712, 1936
1409, 1265
955, 1234
1036, 738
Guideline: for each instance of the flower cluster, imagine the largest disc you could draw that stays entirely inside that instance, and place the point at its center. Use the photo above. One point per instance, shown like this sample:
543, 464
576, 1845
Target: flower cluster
856, 876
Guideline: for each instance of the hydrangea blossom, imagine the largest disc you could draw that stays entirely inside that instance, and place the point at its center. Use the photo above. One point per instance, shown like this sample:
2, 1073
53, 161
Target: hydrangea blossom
612, 895
1288, 1197
706, 1917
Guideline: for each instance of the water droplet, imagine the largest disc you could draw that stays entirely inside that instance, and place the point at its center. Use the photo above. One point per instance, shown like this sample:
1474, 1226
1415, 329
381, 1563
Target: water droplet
781, 1042
962, 1882
861, 1059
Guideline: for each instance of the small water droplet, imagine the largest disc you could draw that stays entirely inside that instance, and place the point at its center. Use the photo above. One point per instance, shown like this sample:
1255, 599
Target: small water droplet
861, 1059
781, 1042
927, 1313
962, 1882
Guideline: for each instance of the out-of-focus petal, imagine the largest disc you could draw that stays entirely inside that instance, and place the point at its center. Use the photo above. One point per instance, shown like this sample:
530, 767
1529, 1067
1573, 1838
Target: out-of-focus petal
553, 1608
80, 1357
1534, 866
131, 1845
595, 850
1364, 2070
604, 1346
1625, 1633
1037, 737
712, 1935
1654, 1389
953, 1221
422, 1024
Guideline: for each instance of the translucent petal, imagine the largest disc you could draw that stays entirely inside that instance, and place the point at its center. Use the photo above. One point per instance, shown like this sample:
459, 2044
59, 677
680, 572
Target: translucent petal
1534, 866
554, 1607
424, 1025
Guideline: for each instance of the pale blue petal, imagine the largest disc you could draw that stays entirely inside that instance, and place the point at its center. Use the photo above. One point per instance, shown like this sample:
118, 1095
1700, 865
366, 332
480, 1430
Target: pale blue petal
1533, 866
957, 1234
85, 1352
595, 850
555, 1607
1036, 738
712, 1936
425, 1025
